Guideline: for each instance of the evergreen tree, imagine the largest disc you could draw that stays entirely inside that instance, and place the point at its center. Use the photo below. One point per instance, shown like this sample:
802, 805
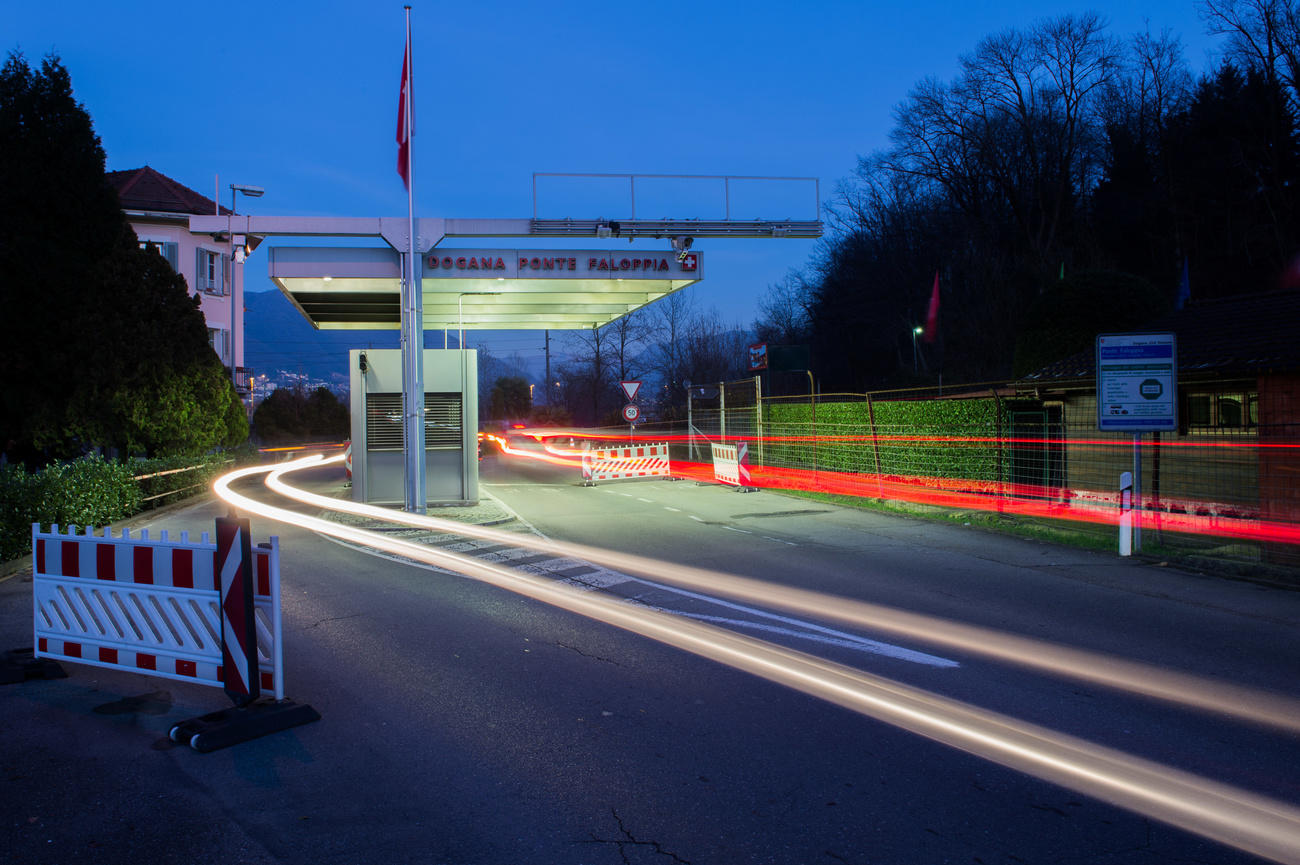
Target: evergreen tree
100, 343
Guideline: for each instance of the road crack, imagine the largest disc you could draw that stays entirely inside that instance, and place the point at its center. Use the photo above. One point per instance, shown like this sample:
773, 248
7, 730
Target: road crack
588, 654
320, 622
629, 840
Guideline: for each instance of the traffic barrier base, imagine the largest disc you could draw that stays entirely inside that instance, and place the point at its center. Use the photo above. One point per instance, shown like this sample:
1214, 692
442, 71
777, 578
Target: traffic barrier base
22, 665
221, 729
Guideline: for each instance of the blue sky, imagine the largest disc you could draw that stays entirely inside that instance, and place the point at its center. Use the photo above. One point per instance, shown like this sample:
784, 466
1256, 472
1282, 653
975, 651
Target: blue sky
300, 98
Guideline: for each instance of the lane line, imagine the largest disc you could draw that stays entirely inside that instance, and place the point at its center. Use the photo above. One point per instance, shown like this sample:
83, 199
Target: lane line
865, 643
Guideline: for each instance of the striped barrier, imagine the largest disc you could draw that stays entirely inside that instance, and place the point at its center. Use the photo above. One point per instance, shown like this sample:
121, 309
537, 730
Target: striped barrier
731, 465
195, 612
147, 605
634, 461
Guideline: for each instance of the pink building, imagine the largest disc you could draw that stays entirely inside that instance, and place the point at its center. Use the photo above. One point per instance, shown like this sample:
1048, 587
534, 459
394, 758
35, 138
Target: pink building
159, 210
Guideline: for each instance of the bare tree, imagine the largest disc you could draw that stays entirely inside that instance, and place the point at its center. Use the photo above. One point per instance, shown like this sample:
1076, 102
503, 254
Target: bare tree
670, 319
585, 379
626, 338
1263, 35
784, 311
1019, 131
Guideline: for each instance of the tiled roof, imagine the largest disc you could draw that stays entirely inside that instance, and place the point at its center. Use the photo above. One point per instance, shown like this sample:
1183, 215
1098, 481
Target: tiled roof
1249, 333
146, 189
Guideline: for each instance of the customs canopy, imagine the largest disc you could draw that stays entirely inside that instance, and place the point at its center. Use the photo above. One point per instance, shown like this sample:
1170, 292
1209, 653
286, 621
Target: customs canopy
476, 289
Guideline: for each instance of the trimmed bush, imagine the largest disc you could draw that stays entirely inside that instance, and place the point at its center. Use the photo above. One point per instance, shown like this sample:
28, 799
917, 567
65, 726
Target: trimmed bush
87, 492
95, 492
848, 441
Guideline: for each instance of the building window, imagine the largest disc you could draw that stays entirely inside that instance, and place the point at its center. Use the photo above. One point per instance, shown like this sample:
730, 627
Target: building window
218, 339
168, 249
1221, 412
210, 273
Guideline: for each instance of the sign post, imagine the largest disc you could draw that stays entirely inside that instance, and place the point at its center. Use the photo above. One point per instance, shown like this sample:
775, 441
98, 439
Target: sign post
1137, 391
630, 411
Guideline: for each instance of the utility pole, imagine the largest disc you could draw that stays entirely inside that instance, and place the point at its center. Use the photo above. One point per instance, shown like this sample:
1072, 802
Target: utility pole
548, 368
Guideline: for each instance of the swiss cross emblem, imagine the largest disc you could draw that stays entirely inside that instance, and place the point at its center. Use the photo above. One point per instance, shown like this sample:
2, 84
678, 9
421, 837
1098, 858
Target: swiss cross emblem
689, 261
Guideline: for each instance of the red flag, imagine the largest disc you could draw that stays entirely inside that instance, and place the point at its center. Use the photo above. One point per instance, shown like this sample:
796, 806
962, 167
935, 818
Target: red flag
404, 120
932, 317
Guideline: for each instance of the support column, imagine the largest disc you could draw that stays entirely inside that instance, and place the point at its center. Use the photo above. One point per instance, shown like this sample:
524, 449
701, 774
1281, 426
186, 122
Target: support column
416, 494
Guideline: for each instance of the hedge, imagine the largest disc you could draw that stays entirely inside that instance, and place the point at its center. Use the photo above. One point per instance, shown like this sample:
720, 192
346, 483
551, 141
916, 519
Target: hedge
90, 491
848, 441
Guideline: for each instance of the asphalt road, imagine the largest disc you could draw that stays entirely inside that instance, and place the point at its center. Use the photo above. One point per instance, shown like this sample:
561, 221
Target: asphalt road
466, 724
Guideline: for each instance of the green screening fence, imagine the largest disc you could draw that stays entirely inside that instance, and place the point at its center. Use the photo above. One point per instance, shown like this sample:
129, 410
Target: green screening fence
1223, 489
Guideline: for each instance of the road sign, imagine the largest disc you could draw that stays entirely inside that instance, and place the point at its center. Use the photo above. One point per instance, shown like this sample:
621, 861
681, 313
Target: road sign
1137, 382
631, 412
630, 388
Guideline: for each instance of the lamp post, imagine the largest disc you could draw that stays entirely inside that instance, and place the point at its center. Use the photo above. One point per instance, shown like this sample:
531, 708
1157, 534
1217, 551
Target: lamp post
236, 258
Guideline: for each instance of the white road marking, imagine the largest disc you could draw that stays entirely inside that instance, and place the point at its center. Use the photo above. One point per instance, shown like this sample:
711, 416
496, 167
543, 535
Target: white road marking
603, 577
779, 541
828, 635
647, 501
674, 510
848, 641
734, 529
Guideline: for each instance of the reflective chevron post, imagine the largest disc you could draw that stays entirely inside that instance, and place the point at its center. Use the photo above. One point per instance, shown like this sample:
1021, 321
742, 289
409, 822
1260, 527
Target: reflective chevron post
238, 627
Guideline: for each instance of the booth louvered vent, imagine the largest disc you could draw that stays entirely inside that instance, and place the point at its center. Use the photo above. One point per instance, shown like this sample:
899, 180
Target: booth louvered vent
384, 421
442, 421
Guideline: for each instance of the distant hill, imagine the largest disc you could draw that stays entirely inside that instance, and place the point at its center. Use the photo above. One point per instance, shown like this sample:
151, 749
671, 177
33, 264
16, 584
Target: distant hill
278, 338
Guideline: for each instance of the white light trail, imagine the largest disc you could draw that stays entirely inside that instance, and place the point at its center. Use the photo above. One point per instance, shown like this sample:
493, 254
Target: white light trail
1251, 822
1181, 688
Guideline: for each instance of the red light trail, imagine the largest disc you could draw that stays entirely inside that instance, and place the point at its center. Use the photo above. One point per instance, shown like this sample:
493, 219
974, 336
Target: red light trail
1026, 500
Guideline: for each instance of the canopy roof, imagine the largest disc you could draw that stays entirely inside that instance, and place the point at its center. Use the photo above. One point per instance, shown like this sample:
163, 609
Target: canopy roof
359, 288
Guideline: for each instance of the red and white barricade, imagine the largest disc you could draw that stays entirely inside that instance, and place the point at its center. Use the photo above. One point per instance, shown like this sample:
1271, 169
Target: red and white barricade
151, 606
731, 465
633, 461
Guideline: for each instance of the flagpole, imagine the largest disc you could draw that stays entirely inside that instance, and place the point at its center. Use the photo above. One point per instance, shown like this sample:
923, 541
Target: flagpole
412, 308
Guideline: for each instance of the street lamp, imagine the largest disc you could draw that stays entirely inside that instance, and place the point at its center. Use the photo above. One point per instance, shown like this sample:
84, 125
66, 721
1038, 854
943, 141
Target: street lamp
460, 312
236, 257
916, 331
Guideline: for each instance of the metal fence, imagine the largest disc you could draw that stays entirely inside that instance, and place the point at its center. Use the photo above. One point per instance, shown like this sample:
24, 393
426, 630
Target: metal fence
1226, 490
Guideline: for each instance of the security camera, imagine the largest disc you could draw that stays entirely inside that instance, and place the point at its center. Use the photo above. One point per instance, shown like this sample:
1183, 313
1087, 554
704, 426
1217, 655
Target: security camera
681, 244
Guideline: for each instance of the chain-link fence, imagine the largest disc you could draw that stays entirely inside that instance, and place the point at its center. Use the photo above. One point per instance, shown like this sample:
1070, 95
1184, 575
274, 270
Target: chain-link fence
1226, 484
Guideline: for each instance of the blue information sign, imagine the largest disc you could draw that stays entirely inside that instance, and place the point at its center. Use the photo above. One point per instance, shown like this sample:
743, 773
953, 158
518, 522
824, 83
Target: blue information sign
1137, 382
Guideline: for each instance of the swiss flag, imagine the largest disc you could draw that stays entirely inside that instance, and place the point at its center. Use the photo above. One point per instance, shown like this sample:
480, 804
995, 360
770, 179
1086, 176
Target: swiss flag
405, 122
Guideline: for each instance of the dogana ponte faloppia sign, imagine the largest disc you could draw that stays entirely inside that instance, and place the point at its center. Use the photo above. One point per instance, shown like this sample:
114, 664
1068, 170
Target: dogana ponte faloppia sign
557, 264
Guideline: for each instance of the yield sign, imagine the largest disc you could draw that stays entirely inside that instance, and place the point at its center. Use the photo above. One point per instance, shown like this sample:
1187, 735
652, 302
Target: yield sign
630, 388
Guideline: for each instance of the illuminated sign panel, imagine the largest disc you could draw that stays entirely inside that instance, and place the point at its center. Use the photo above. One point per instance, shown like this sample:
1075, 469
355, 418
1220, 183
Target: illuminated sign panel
1137, 382
558, 264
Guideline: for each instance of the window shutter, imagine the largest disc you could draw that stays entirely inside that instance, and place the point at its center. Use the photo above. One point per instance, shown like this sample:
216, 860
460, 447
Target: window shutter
221, 272
171, 252
200, 272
